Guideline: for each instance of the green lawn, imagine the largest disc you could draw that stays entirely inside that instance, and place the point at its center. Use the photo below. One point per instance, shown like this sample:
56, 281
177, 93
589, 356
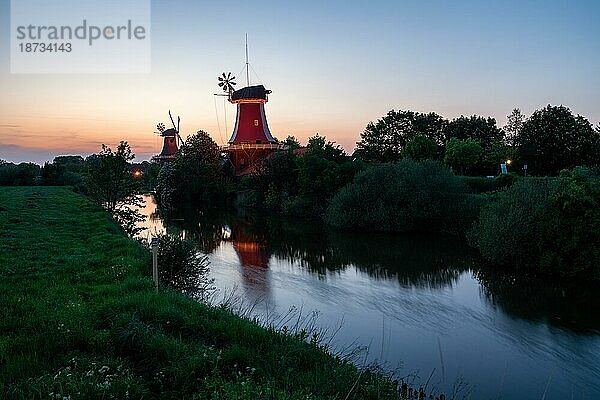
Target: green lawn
80, 320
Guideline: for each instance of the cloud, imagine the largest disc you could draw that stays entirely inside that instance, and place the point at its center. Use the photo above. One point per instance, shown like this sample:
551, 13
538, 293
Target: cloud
9, 126
17, 154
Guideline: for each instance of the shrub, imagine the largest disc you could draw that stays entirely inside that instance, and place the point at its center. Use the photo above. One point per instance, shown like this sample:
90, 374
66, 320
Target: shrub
506, 180
183, 267
544, 225
480, 184
405, 196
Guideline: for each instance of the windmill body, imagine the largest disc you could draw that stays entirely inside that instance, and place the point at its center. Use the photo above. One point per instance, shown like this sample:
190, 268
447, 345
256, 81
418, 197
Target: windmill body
251, 121
170, 146
171, 139
251, 141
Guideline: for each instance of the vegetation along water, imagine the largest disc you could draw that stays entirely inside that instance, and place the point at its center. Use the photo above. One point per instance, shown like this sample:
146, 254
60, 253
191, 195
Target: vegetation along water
456, 255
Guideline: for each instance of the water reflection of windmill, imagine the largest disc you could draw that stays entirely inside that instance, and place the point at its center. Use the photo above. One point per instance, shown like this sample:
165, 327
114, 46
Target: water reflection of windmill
251, 141
171, 140
254, 256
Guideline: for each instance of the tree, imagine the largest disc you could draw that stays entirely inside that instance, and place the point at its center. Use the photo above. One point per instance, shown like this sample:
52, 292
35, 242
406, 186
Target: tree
109, 179
420, 148
513, 126
23, 174
194, 175
498, 153
430, 125
463, 154
111, 183
553, 139
52, 174
71, 163
384, 140
484, 130
292, 143
64, 171
319, 175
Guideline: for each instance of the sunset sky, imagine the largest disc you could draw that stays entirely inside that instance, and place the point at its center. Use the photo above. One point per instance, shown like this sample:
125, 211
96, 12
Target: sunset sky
333, 67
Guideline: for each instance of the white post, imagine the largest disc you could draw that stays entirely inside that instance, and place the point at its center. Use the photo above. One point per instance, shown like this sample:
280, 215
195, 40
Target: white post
155, 262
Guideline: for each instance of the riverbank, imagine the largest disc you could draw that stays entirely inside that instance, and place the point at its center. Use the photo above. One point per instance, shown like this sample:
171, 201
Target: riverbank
423, 302
80, 320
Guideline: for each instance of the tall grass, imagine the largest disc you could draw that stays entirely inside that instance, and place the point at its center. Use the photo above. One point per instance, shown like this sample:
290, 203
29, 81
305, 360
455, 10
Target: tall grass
80, 320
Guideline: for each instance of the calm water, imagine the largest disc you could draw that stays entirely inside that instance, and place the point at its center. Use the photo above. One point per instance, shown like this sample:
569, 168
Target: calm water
421, 303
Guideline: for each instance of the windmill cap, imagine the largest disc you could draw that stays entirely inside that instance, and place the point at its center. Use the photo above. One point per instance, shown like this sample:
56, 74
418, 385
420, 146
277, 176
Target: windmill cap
251, 92
169, 132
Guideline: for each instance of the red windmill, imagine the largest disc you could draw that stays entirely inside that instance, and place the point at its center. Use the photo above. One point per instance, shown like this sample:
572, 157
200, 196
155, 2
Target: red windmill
251, 141
171, 140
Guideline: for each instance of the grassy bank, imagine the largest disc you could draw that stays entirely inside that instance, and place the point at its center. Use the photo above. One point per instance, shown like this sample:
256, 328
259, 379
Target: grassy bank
79, 319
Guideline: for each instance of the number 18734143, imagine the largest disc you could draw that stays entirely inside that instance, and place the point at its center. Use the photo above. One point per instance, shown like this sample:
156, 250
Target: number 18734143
33, 47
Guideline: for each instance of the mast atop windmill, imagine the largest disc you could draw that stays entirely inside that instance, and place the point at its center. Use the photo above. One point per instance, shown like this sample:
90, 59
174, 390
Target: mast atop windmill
247, 64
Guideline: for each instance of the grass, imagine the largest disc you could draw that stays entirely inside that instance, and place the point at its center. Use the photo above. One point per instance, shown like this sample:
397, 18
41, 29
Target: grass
80, 320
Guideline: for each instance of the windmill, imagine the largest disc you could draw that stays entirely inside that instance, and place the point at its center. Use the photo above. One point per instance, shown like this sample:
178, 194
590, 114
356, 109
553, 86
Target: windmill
172, 139
227, 82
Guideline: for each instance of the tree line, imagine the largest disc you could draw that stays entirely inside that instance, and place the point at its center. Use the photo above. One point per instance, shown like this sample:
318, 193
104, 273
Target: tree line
406, 175
549, 140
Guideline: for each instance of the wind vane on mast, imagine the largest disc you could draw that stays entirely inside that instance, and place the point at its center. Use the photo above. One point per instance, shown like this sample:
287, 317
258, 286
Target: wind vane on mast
247, 64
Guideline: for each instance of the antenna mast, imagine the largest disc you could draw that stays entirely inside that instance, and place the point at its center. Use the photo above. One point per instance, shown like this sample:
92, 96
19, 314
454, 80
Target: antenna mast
247, 64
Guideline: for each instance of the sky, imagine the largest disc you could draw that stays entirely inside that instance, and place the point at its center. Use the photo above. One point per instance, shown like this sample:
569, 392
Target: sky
333, 67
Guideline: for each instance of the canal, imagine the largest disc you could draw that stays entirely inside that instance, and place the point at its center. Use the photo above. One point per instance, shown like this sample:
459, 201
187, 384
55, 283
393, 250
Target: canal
421, 305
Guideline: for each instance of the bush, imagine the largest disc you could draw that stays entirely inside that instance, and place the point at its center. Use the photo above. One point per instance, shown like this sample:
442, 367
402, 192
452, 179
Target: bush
405, 196
182, 267
506, 180
479, 184
545, 225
